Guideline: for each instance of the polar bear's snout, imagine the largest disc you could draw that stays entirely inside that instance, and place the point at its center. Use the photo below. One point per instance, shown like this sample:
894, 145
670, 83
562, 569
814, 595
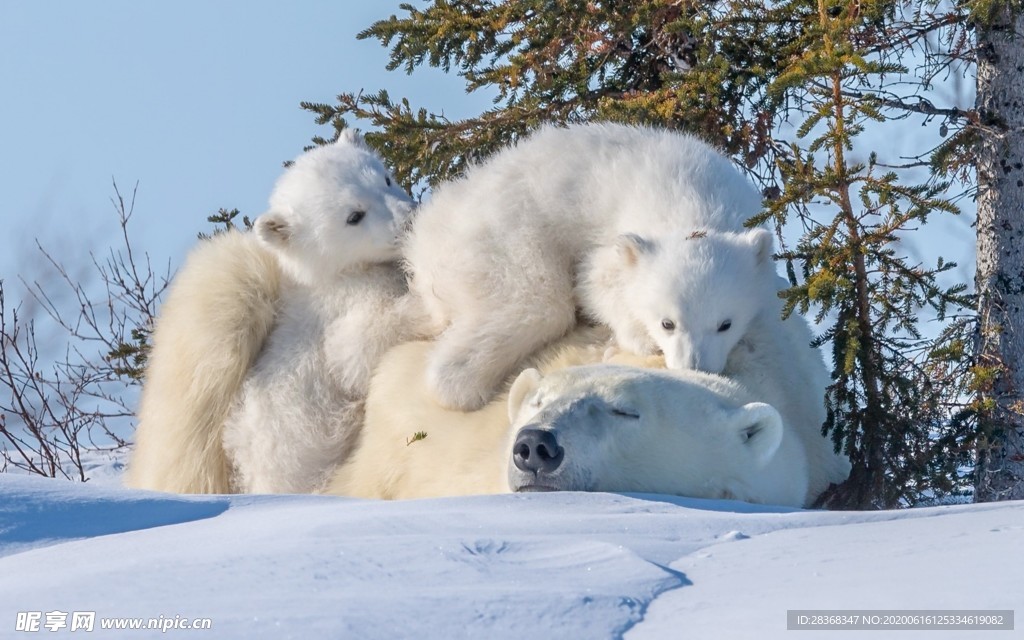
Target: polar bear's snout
537, 451
536, 460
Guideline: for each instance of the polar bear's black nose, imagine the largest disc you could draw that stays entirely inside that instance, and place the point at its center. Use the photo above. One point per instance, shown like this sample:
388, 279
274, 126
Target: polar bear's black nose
537, 450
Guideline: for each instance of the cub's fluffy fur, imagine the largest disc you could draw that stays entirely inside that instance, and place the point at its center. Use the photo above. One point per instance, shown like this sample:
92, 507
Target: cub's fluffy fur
265, 346
494, 255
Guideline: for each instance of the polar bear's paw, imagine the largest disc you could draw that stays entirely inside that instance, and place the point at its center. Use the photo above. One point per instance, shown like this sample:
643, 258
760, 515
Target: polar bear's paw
456, 386
458, 382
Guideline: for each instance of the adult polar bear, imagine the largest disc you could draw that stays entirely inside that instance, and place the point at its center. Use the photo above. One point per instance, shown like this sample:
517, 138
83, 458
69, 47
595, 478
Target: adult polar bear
609, 428
470, 452
496, 254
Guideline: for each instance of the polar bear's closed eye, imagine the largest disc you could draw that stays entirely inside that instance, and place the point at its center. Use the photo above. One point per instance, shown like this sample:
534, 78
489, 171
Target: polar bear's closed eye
613, 428
632, 414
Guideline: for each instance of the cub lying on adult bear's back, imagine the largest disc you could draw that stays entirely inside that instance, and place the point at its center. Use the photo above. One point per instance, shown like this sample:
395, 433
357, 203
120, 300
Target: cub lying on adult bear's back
494, 255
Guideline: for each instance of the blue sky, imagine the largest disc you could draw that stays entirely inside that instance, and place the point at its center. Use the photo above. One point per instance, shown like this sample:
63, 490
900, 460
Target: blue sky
195, 100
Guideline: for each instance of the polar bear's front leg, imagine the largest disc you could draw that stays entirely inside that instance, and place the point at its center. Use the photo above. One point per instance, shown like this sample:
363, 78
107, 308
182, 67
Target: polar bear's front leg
471, 360
353, 344
630, 335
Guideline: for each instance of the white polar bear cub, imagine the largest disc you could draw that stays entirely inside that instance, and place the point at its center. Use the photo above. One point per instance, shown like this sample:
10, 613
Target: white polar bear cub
494, 256
612, 428
691, 298
264, 347
710, 303
334, 221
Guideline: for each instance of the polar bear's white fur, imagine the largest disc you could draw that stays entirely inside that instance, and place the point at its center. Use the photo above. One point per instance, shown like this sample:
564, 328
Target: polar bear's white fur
775, 359
290, 321
690, 298
218, 311
494, 255
334, 210
711, 303
613, 428
463, 452
469, 452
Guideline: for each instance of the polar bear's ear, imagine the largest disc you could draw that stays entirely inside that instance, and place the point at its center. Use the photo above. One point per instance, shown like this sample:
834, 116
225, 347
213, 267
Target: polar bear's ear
350, 136
273, 229
759, 429
763, 244
630, 247
526, 383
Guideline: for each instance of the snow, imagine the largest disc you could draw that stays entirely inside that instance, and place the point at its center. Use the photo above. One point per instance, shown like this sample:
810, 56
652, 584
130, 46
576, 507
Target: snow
570, 565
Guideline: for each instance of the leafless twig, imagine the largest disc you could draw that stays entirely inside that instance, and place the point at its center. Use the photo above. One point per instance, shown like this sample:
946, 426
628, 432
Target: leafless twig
55, 407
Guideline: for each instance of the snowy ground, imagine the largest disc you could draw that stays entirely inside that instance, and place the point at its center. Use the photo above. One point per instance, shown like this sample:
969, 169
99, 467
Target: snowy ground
568, 565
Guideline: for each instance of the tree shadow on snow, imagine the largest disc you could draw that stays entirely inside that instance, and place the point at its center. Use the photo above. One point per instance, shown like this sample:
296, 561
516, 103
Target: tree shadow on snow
705, 504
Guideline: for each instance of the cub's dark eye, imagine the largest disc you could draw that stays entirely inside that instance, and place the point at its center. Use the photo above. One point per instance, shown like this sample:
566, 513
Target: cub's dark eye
355, 217
668, 325
387, 179
626, 413
724, 326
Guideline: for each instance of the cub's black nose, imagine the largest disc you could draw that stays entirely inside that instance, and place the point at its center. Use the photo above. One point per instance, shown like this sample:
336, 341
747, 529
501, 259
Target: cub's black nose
537, 450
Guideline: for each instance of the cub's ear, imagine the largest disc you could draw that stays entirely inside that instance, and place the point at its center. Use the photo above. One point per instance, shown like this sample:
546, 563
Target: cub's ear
525, 384
350, 136
758, 426
763, 244
273, 229
630, 246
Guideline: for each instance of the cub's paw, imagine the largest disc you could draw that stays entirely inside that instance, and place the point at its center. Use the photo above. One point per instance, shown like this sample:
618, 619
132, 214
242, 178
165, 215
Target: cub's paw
619, 356
457, 385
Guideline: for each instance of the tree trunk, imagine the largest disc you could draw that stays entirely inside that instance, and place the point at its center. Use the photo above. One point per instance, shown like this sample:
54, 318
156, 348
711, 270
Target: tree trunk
1000, 276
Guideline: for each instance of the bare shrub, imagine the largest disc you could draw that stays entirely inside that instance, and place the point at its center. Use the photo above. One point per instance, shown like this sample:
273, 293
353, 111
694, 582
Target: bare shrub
57, 406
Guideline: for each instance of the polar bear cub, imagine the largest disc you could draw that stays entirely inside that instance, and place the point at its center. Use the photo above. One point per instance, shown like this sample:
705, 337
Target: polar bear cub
613, 428
333, 212
334, 223
263, 350
691, 297
711, 303
494, 255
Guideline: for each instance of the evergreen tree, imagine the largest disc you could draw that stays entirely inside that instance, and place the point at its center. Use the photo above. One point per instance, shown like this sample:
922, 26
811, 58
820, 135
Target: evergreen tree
786, 88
